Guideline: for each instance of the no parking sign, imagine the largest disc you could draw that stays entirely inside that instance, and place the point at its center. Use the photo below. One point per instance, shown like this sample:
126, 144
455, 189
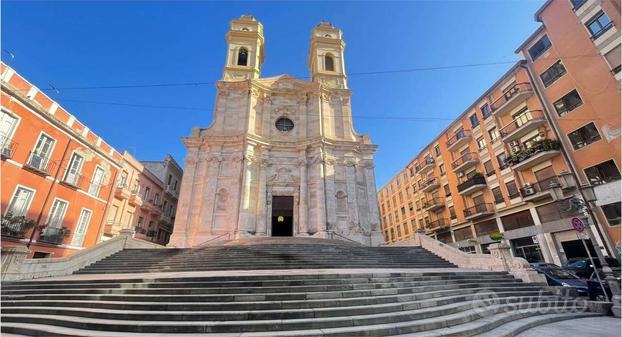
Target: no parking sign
578, 225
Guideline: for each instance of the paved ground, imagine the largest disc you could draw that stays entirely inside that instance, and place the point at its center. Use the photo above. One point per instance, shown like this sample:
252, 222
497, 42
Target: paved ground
588, 327
257, 272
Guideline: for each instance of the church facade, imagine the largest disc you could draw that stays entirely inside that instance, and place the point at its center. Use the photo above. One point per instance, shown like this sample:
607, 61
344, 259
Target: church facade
281, 157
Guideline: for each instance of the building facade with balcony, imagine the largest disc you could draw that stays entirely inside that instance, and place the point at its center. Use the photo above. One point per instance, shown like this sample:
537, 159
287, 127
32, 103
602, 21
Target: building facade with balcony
574, 61
57, 175
498, 167
170, 173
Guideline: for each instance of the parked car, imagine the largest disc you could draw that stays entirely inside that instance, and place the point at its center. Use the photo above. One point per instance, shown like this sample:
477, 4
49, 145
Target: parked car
595, 290
557, 277
543, 265
583, 268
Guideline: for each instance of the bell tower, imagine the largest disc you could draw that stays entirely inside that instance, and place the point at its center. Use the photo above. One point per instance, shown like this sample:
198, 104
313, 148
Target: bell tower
326, 61
245, 44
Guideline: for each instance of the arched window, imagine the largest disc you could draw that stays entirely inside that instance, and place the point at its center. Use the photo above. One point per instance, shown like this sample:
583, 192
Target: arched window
329, 63
243, 57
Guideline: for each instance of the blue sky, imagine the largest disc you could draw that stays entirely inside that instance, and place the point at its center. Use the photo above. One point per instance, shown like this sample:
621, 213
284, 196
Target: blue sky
90, 44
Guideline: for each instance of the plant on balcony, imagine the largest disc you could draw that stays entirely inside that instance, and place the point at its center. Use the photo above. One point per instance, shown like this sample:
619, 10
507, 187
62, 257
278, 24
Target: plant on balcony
16, 225
151, 233
537, 147
63, 233
140, 230
476, 175
496, 236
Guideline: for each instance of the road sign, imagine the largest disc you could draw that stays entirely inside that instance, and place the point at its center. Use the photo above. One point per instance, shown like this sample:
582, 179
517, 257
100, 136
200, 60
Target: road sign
578, 225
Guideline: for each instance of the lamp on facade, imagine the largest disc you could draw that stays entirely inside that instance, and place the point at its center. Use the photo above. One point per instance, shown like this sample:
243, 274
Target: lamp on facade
588, 193
566, 180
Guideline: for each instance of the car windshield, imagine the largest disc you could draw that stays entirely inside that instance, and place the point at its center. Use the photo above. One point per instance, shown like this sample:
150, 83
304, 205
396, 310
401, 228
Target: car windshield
577, 264
560, 274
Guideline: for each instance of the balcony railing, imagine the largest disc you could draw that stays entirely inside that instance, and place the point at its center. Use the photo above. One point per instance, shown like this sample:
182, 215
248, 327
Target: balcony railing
73, 180
429, 184
441, 223
458, 138
522, 124
39, 163
434, 203
13, 229
469, 157
7, 147
54, 235
139, 229
539, 186
509, 95
538, 148
475, 180
478, 210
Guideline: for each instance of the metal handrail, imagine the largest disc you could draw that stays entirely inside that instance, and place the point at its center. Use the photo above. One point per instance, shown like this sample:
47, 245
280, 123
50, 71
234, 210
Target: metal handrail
333, 233
509, 94
213, 239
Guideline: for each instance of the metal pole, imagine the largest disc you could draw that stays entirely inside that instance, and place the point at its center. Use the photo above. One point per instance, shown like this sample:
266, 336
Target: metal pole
593, 267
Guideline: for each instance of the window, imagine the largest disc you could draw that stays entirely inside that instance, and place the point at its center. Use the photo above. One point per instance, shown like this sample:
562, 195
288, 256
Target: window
517, 220
485, 109
486, 227
21, 201
73, 170
329, 63
170, 177
156, 199
496, 192
441, 168
612, 213
57, 213
512, 189
613, 58
501, 160
584, 136
452, 212
474, 120
243, 57
490, 170
410, 207
42, 152
96, 183
447, 190
539, 47
437, 150
284, 124
7, 126
569, 102
602, 173
83, 223
403, 211
577, 3
481, 143
146, 193
494, 135
599, 24
554, 72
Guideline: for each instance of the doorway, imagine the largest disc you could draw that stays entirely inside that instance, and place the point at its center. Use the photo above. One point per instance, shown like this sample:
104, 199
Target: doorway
282, 216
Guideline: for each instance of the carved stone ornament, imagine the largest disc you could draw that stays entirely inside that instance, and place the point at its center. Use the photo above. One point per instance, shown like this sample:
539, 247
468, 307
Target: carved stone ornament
283, 176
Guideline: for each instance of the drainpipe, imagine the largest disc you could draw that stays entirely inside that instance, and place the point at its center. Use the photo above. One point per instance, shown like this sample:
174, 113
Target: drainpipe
571, 163
108, 203
47, 196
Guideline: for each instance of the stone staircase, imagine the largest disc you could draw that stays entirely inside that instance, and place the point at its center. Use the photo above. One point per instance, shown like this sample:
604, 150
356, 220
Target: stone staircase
292, 290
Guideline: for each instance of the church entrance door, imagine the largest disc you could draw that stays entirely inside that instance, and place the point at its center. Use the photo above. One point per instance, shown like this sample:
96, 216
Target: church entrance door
282, 216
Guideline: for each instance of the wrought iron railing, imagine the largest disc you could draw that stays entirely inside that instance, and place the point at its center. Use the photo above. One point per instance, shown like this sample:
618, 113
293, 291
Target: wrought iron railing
457, 136
540, 186
477, 209
463, 159
54, 235
521, 120
472, 181
40, 163
509, 94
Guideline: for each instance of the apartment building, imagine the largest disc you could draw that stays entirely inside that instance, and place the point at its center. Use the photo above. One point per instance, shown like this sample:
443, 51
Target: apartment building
168, 171
515, 159
574, 61
57, 175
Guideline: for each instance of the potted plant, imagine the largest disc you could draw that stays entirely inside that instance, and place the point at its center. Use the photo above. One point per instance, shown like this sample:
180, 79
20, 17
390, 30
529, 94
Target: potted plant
496, 236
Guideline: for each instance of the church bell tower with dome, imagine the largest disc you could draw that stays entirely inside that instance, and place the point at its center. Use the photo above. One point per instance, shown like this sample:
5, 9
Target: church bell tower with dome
281, 157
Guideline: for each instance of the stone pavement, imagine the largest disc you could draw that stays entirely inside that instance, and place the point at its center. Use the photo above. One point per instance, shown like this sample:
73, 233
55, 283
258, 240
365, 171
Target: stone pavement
592, 327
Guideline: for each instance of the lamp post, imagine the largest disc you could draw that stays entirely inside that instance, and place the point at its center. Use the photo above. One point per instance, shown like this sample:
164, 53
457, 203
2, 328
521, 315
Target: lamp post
585, 205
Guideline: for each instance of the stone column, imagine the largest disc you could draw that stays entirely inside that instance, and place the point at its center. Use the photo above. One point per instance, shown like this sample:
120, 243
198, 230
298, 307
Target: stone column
303, 207
206, 223
352, 191
181, 231
321, 195
374, 214
245, 226
261, 197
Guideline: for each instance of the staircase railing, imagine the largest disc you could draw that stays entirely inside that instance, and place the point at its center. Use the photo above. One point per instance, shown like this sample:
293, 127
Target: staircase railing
206, 243
332, 234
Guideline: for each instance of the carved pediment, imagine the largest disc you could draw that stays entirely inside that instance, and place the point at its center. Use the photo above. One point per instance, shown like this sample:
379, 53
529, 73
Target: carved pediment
283, 176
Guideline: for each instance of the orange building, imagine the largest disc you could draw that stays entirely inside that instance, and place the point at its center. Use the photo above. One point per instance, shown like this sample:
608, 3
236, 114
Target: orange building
574, 61
514, 161
57, 175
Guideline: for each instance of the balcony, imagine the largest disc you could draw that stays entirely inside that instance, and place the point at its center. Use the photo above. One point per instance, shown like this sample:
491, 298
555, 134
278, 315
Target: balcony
434, 204
427, 165
472, 184
39, 164
53, 235
8, 148
439, 224
543, 189
15, 227
460, 138
135, 200
121, 191
523, 124
466, 161
171, 191
539, 152
478, 211
72, 180
511, 98
429, 185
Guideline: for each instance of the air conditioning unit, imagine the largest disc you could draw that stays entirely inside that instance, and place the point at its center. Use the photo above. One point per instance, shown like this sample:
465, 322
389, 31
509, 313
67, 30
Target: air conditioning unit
528, 189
